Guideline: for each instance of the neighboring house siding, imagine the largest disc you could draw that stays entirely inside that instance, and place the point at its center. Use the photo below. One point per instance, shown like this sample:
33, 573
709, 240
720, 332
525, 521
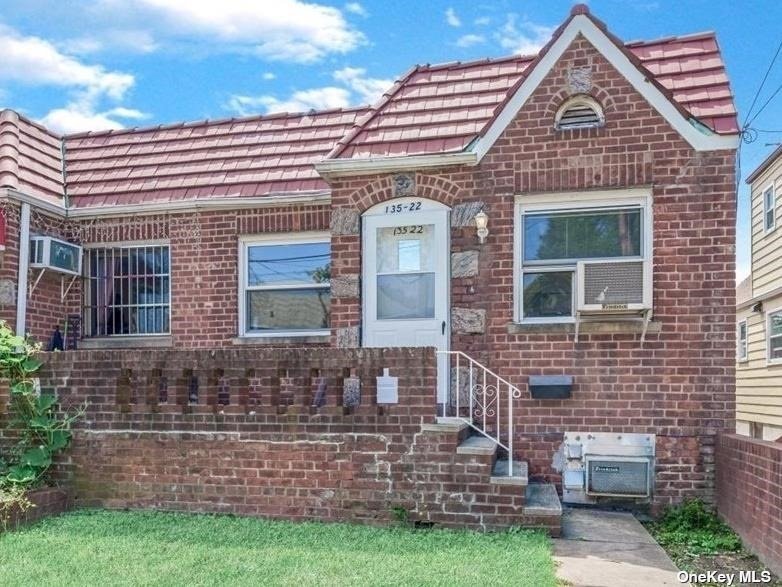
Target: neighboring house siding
767, 246
759, 384
759, 381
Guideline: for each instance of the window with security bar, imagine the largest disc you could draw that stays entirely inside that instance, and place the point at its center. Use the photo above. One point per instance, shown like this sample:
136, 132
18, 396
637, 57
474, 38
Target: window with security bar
127, 290
552, 242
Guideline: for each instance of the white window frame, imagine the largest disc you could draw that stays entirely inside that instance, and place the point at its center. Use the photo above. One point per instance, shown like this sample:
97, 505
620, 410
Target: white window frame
567, 202
742, 356
769, 208
274, 239
769, 314
87, 248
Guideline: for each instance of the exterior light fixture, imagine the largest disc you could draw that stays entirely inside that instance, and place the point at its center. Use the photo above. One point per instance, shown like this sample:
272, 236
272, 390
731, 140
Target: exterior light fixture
481, 223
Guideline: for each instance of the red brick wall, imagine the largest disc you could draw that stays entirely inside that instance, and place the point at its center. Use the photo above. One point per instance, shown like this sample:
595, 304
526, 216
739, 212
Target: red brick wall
204, 276
46, 502
749, 494
680, 383
250, 441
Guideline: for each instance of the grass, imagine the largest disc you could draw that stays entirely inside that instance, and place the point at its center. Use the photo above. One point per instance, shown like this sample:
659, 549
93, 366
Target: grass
149, 548
698, 541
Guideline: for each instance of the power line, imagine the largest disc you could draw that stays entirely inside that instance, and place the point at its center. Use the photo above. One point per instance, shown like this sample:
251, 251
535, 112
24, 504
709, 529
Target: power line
762, 108
762, 83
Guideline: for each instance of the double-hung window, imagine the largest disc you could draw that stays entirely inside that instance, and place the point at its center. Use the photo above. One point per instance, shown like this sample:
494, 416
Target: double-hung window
285, 285
553, 234
775, 336
741, 351
127, 290
769, 218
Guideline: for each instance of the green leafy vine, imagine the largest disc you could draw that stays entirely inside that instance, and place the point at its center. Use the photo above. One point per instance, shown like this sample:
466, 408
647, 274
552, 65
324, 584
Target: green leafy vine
42, 431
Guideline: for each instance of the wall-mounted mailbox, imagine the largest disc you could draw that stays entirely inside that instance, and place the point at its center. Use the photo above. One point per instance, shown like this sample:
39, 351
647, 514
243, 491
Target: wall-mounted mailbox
550, 386
387, 389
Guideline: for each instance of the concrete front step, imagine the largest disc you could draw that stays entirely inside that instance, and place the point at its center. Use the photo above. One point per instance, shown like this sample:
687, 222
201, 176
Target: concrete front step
445, 425
542, 500
477, 445
499, 474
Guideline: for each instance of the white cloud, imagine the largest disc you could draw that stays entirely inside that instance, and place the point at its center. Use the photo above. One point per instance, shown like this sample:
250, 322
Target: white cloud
35, 61
356, 8
80, 116
268, 75
367, 89
451, 18
524, 38
482, 21
358, 89
470, 40
300, 101
119, 40
288, 30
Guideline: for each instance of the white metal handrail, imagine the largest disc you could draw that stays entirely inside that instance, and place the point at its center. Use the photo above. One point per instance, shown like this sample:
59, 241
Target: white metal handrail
485, 401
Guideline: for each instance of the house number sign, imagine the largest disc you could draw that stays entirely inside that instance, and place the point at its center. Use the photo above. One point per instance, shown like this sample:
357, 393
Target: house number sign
408, 230
398, 208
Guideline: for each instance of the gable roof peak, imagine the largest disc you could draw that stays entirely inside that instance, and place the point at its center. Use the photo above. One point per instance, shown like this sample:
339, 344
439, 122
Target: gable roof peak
579, 9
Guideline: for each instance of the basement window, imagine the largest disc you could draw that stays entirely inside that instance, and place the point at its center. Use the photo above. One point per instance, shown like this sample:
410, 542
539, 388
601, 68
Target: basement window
127, 290
579, 112
285, 287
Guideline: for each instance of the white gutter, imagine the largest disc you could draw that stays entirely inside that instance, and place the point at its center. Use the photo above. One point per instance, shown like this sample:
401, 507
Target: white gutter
348, 167
24, 262
313, 197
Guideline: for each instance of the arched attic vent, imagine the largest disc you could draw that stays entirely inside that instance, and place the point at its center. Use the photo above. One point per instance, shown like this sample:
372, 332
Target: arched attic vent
579, 112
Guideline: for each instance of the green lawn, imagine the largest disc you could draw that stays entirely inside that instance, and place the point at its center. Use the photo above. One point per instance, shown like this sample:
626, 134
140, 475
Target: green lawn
145, 548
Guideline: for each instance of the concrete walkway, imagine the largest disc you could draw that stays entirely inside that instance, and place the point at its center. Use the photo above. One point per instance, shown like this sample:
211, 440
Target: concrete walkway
609, 549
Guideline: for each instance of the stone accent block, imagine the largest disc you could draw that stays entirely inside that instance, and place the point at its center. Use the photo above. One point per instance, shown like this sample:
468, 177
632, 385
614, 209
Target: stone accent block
464, 214
345, 286
468, 321
464, 264
347, 337
345, 221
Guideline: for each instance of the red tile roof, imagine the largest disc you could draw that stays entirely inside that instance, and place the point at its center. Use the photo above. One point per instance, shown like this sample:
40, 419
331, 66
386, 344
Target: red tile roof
443, 108
432, 109
30, 158
256, 156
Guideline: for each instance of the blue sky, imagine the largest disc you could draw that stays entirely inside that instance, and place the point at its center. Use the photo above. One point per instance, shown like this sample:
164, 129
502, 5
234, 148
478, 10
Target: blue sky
89, 65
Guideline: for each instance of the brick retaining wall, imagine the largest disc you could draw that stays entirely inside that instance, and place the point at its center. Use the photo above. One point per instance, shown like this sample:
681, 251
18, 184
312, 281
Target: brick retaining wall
49, 501
246, 431
749, 494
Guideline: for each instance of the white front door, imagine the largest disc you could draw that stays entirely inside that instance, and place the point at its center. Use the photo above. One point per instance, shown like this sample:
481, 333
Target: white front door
406, 278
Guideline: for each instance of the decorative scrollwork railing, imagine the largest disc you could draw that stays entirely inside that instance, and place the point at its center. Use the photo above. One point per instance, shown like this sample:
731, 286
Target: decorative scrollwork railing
487, 405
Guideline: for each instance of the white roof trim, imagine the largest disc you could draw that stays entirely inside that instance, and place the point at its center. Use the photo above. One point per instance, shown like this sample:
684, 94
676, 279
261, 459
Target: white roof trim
236, 203
582, 24
347, 167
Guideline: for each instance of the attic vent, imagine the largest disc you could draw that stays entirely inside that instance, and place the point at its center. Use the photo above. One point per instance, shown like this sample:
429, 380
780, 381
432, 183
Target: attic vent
579, 112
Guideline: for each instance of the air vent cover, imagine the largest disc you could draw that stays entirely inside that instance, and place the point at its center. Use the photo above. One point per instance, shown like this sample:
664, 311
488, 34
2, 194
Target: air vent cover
579, 116
618, 476
614, 283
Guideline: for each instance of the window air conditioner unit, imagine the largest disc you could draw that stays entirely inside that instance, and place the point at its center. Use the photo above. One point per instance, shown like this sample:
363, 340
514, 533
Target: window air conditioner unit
624, 476
614, 286
47, 252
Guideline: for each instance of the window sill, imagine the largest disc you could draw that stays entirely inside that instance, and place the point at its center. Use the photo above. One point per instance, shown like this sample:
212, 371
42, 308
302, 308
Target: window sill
281, 339
592, 327
127, 342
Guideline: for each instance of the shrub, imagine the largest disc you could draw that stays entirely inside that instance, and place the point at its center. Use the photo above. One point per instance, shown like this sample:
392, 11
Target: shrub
42, 431
695, 527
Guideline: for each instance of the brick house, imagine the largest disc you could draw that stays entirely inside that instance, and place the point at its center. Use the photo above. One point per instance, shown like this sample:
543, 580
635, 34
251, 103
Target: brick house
599, 293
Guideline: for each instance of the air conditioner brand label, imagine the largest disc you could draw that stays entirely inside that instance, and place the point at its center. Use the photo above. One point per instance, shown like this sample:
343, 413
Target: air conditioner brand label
606, 469
614, 306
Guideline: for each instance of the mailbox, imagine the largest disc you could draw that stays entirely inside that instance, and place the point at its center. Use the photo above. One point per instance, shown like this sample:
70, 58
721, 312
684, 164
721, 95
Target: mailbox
550, 386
